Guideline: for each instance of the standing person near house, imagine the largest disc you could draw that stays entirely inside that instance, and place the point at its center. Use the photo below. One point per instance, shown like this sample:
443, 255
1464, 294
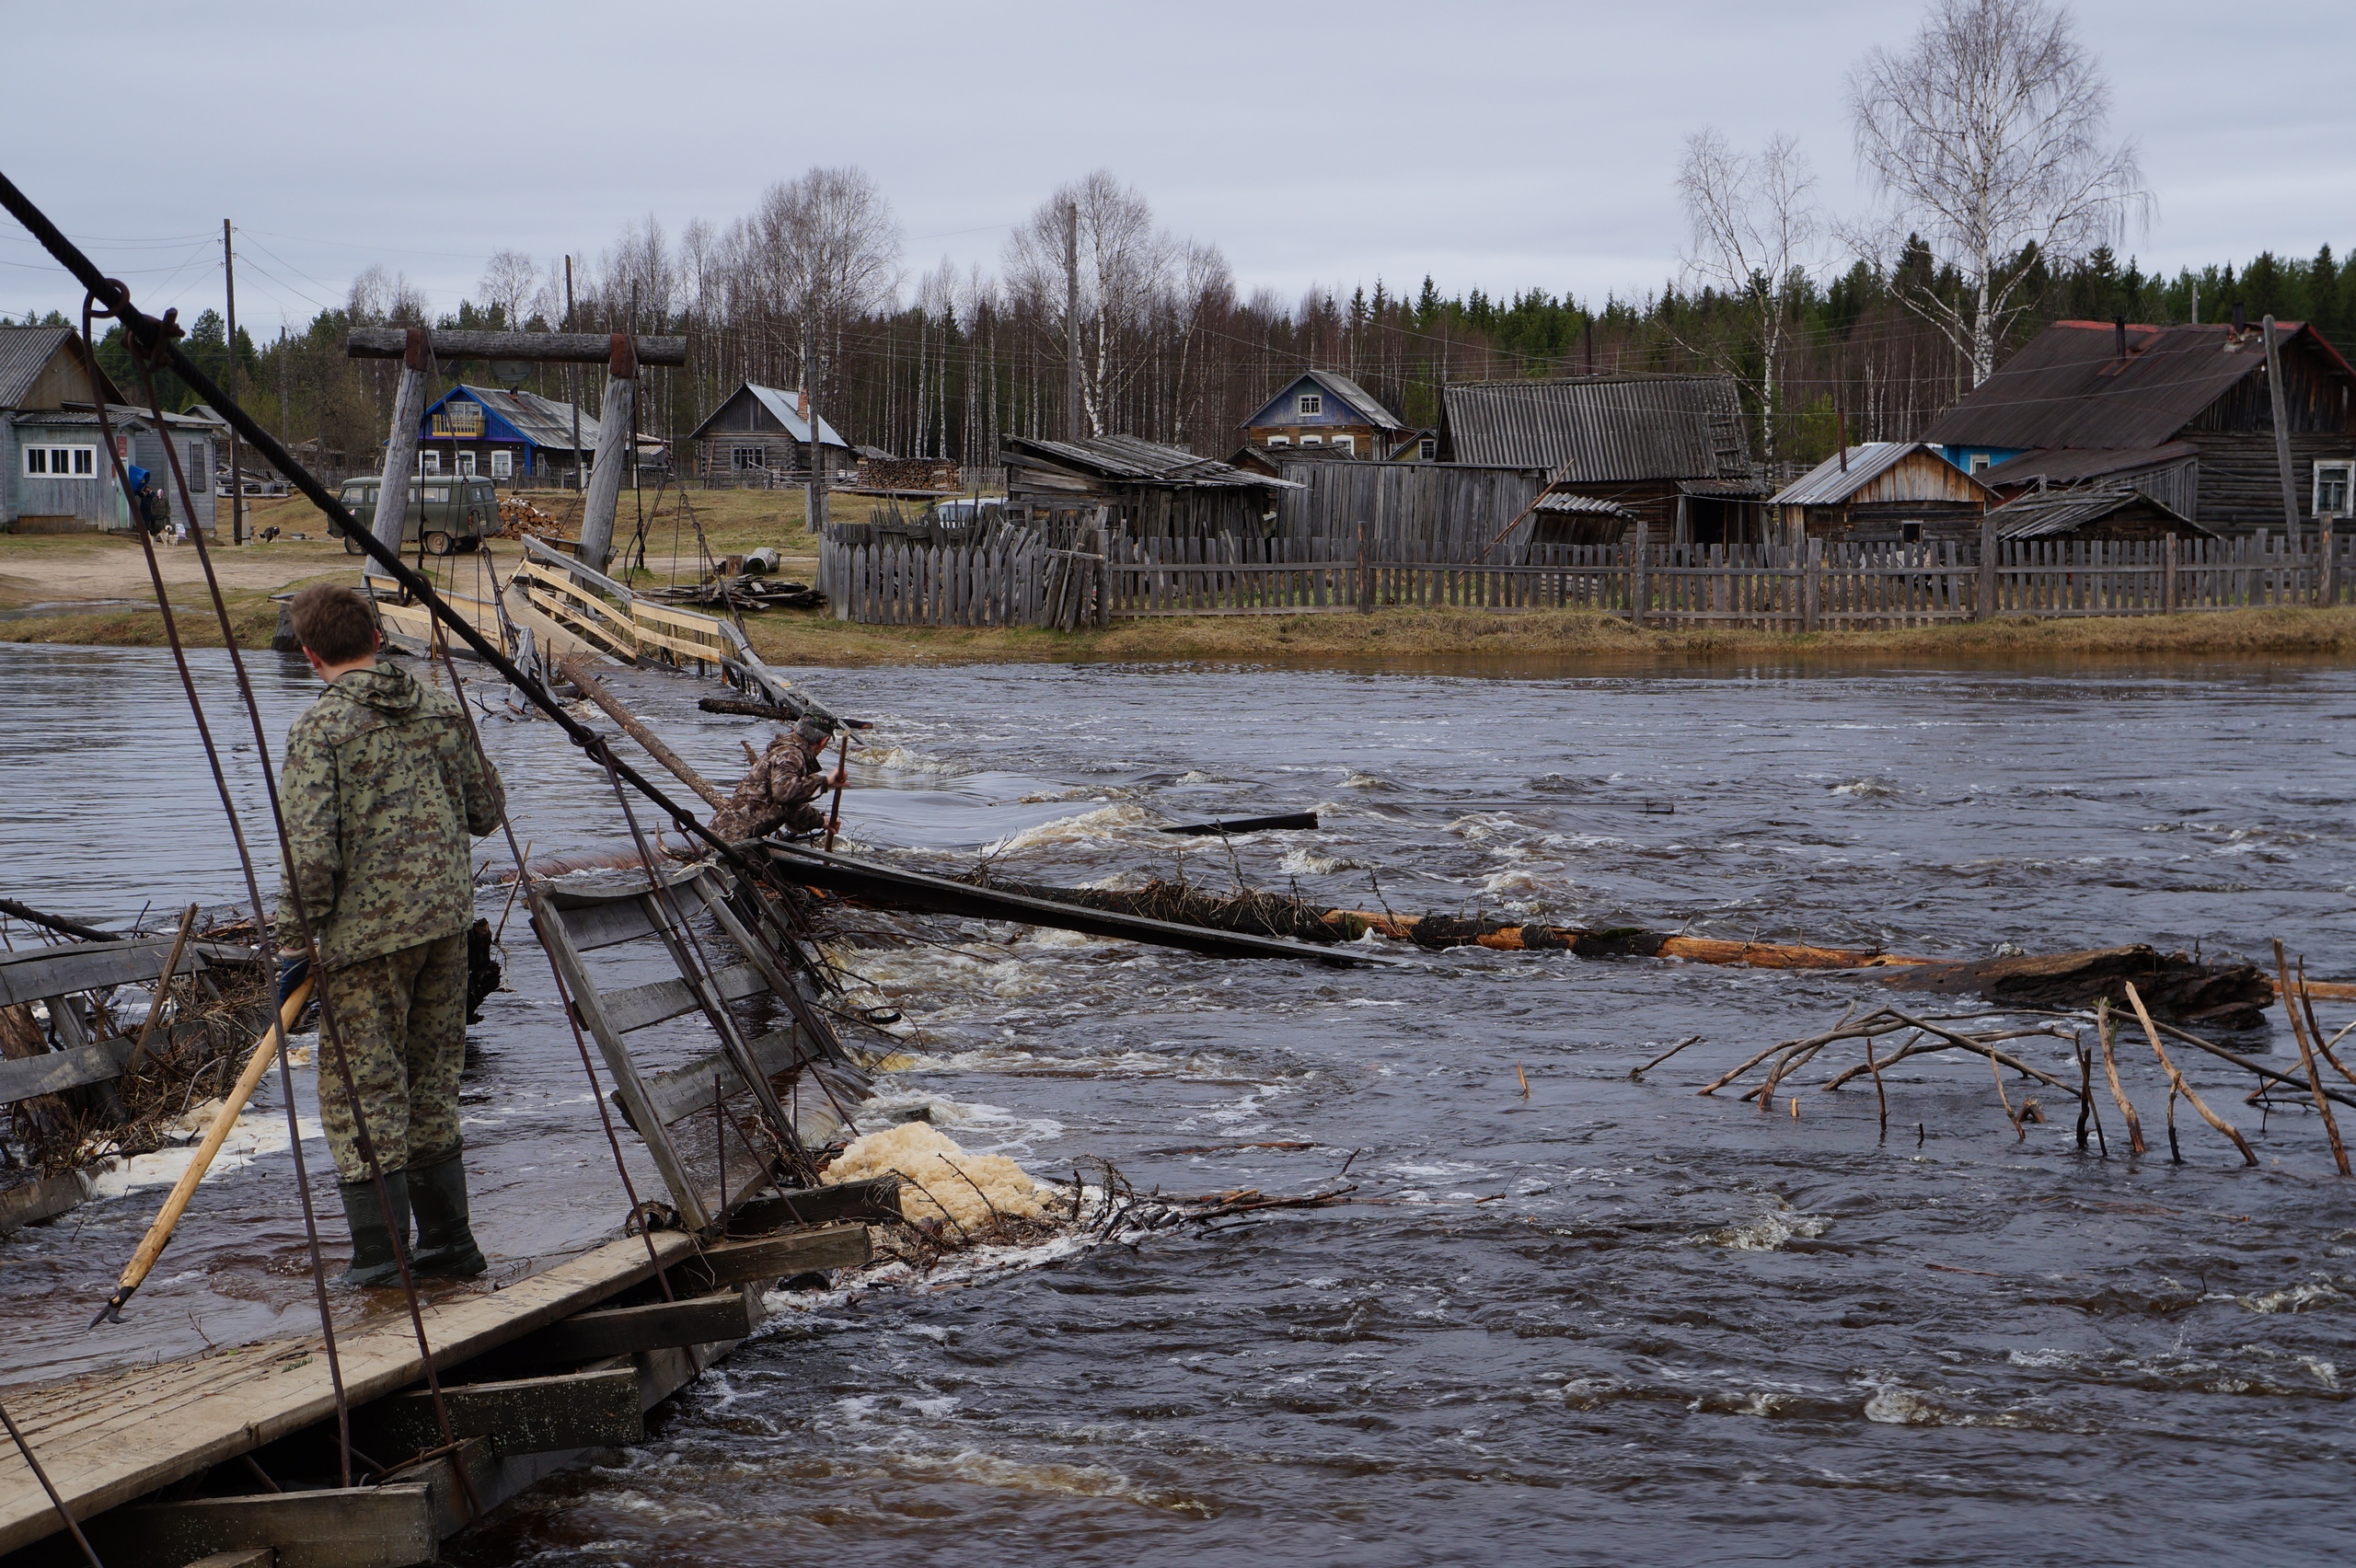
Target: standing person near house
384, 788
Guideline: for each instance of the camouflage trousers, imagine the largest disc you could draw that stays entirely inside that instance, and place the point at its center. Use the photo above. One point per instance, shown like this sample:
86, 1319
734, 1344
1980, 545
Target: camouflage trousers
403, 1016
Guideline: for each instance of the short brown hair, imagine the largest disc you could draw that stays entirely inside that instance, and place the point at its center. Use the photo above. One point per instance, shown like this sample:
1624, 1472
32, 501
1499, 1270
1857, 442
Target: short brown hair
334, 623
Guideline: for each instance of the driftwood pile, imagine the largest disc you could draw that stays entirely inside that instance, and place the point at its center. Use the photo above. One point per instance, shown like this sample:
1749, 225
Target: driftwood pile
1984, 1034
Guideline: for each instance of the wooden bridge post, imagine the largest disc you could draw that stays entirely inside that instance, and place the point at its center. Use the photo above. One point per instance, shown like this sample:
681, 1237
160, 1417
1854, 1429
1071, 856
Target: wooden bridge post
400, 444
617, 452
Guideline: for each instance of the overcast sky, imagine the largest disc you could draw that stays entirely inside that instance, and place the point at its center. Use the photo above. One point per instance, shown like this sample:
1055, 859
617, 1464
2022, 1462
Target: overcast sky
1491, 145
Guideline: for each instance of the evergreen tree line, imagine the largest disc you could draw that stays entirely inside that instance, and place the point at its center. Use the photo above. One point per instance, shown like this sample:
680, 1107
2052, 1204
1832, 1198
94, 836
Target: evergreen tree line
950, 366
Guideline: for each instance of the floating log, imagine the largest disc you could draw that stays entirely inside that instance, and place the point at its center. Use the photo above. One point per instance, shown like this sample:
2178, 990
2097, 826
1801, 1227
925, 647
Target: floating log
2230, 995
576, 670
1220, 827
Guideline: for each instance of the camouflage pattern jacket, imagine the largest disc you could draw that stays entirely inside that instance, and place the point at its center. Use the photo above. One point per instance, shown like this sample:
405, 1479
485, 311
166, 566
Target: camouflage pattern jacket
781, 790
383, 789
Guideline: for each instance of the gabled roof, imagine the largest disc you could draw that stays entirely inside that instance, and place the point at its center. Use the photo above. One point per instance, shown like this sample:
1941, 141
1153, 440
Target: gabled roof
543, 422
2043, 514
1125, 457
1336, 384
2070, 465
2069, 388
783, 406
25, 353
1830, 483
1602, 429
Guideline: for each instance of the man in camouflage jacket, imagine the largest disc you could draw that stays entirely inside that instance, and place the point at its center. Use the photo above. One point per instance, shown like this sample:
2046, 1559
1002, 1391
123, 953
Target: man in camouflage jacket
383, 790
781, 788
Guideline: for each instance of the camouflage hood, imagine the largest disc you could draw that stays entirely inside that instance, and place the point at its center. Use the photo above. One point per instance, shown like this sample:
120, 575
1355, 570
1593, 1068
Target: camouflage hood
388, 688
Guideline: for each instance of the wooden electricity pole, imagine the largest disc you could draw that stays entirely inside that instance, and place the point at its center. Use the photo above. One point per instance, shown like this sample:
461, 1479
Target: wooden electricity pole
1075, 425
237, 477
2282, 437
572, 391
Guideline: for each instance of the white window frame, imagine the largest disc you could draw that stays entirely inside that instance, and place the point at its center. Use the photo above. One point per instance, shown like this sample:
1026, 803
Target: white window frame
467, 465
1348, 444
60, 462
1979, 463
1275, 441
2344, 473
1313, 441
502, 464
1426, 449
429, 462
1312, 404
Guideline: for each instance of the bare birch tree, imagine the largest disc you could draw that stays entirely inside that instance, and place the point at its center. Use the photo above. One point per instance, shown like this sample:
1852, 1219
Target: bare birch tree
508, 279
1755, 231
1126, 271
1986, 138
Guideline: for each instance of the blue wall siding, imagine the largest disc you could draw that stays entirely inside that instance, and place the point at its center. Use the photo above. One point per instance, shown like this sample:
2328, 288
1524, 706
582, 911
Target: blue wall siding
1961, 456
1284, 408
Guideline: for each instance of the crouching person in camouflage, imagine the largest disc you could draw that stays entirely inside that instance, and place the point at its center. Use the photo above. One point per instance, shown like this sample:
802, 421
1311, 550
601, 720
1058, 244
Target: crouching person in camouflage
781, 788
383, 788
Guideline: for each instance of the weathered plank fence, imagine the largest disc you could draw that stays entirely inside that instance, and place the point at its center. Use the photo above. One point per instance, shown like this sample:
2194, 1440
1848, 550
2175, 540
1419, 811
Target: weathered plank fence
1016, 581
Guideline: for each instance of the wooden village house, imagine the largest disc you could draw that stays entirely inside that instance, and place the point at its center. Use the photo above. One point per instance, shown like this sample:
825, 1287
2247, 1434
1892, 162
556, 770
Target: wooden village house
1320, 408
505, 436
1882, 493
58, 476
1147, 489
759, 435
2184, 414
1667, 451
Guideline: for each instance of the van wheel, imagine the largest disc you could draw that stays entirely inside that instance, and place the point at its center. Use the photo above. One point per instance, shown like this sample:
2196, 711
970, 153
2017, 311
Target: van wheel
439, 543
351, 545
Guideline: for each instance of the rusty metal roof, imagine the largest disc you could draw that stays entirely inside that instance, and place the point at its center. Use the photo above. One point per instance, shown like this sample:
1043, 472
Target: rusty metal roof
2043, 514
2069, 388
1125, 458
1603, 429
2070, 465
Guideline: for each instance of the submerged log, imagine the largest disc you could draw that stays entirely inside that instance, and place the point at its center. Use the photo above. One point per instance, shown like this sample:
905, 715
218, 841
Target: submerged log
2229, 996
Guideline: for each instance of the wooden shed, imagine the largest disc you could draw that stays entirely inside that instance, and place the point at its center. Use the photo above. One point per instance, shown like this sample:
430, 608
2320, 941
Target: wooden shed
1147, 489
2091, 512
1883, 492
55, 473
758, 434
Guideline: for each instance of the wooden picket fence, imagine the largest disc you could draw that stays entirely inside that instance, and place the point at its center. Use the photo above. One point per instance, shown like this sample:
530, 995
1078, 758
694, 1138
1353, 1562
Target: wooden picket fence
1017, 581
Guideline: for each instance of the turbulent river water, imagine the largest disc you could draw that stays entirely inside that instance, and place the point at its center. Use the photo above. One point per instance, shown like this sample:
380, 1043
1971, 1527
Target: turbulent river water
1606, 1321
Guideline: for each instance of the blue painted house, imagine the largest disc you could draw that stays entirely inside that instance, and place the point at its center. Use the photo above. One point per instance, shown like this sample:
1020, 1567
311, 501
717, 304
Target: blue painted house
504, 435
1322, 409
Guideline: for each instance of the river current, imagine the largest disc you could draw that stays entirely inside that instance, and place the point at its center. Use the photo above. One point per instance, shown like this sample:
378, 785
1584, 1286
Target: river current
1600, 1320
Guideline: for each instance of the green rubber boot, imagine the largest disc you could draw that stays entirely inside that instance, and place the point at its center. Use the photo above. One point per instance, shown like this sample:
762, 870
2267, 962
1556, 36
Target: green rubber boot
445, 1244
372, 1237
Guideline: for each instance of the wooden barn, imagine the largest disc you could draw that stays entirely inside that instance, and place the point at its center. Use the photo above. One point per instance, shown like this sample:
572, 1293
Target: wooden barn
1320, 409
1149, 491
2091, 512
1667, 449
2184, 414
758, 434
1882, 491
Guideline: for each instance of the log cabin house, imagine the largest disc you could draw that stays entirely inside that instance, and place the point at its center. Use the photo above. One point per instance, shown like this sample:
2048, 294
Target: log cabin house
1324, 409
760, 435
2184, 414
1882, 493
1670, 450
1147, 489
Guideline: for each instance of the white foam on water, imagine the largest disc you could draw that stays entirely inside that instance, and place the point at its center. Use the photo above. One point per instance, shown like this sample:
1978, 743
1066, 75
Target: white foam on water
2291, 1299
1766, 1234
258, 1133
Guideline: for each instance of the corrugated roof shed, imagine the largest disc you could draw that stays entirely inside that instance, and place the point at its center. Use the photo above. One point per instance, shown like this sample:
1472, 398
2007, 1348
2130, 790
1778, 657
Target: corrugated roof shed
2069, 388
784, 406
2070, 465
1833, 480
25, 353
2043, 514
1604, 429
1125, 458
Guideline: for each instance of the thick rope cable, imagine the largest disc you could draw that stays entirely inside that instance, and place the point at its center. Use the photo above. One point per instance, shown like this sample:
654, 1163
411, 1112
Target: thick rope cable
331, 1029
245, 858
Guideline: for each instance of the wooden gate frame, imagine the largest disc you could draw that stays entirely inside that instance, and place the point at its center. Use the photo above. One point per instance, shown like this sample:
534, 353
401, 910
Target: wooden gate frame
572, 922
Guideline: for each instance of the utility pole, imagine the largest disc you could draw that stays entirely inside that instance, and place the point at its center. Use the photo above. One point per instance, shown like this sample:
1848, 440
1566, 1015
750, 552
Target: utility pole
815, 498
2281, 437
571, 392
1076, 430
236, 476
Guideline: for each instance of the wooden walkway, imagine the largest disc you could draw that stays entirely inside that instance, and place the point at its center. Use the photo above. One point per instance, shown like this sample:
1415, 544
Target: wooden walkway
108, 1439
